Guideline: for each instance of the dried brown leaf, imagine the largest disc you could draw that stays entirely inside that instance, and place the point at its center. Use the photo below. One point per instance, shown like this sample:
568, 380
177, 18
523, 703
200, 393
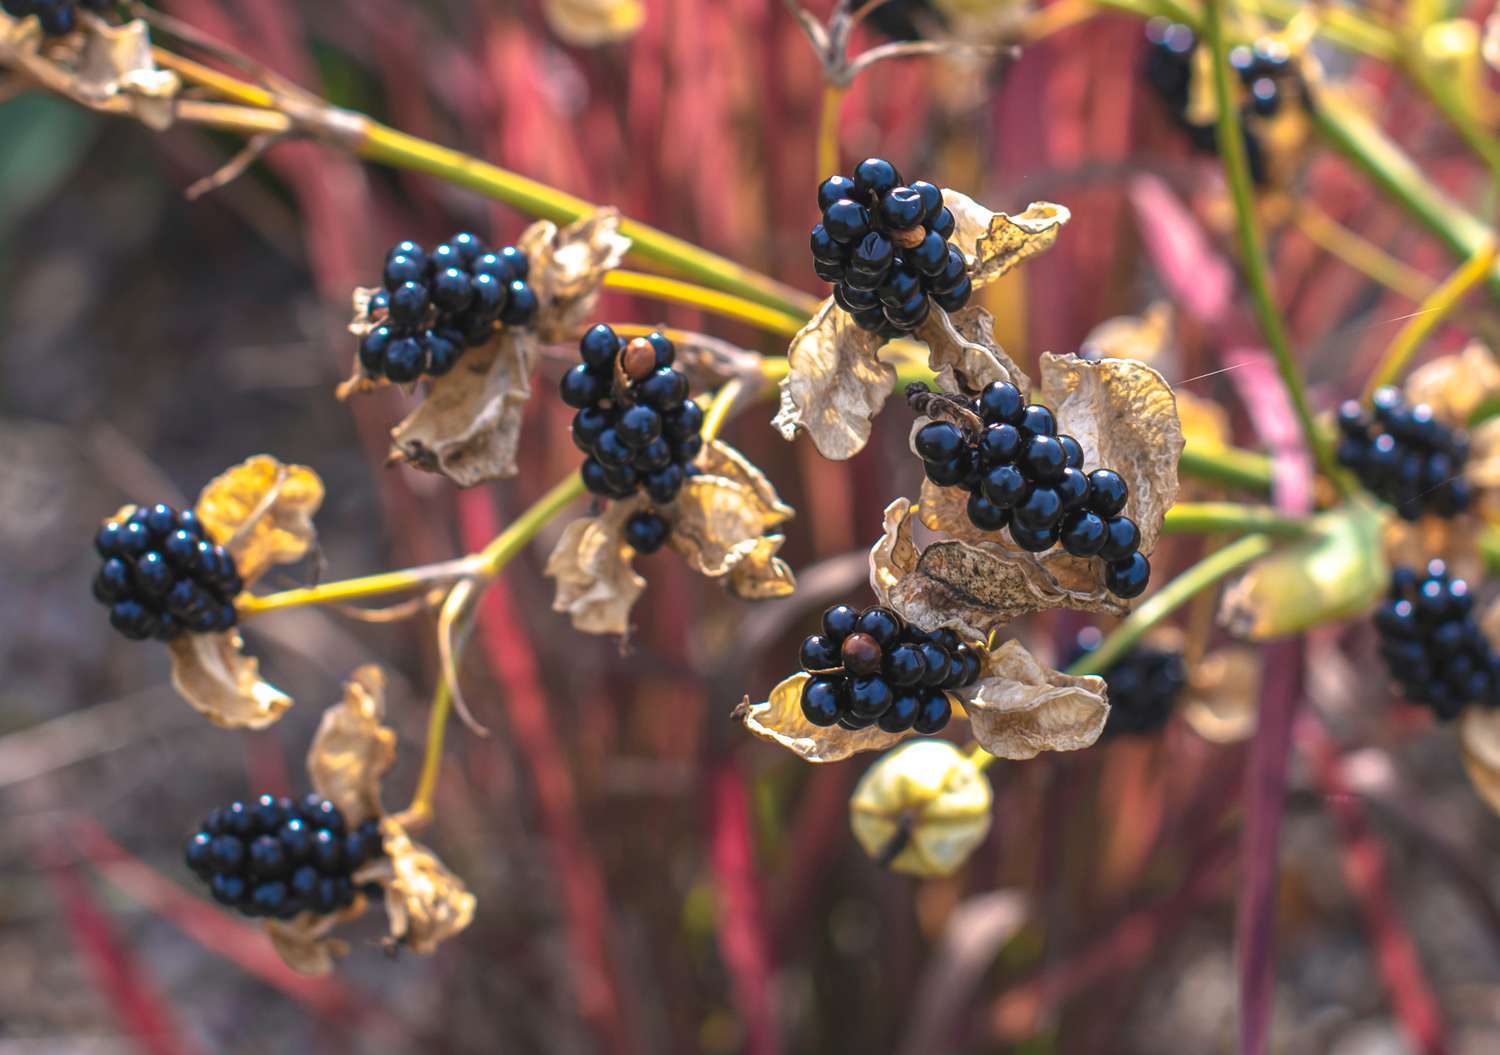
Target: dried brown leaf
1479, 738
596, 586
720, 522
591, 23
424, 901
964, 354
1020, 708
835, 384
568, 267
212, 673
353, 748
469, 426
928, 801
1222, 701
996, 242
303, 943
1455, 385
262, 512
779, 719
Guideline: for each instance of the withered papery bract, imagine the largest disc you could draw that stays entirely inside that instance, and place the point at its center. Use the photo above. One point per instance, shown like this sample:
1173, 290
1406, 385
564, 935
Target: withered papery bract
262, 512
467, 427
1124, 416
424, 901
722, 523
836, 381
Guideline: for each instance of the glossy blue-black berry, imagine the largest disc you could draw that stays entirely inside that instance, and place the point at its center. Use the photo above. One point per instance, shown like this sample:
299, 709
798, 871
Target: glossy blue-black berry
952, 300
452, 289
846, 221
1043, 459
1072, 451
1039, 510
999, 445
638, 426
901, 283
874, 178
1127, 578
869, 697
1034, 540
872, 254
902, 713
822, 699
1001, 403
986, 515
1107, 492
1004, 487
408, 303
113, 582
646, 532
664, 389
490, 296
938, 661
931, 198
1038, 420
467, 246
598, 348
904, 665
402, 268
825, 248
1083, 534
901, 208
834, 188
929, 257
934, 713
880, 623
581, 387
1073, 488
819, 653
938, 441
839, 621
1122, 538
404, 360
520, 304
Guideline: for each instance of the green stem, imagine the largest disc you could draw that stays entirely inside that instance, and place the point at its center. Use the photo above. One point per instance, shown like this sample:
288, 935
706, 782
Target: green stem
1237, 174
1211, 518
1206, 573
1230, 466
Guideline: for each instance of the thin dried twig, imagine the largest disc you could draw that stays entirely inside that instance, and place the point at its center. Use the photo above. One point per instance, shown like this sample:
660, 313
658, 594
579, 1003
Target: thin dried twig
236, 166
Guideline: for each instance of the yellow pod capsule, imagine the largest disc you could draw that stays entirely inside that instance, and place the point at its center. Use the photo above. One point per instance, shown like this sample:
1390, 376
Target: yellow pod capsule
922, 808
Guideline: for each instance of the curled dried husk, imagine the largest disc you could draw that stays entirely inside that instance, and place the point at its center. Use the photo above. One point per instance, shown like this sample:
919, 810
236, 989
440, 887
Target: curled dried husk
305, 943
111, 69
1222, 699
212, 672
567, 269
963, 352
425, 901
835, 384
1020, 707
780, 720
723, 523
591, 23
262, 512
1124, 416
596, 585
995, 242
1337, 572
1455, 386
1146, 338
922, 808
353, 748
469, 426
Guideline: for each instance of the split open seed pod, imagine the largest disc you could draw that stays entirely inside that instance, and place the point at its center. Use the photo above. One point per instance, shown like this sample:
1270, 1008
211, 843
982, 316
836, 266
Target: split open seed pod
724, 523
424, 901
922, 808
261, 511
837, 383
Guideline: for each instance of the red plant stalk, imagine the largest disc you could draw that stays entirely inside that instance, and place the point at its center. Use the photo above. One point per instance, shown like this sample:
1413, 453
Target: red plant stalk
1365, 870
136, 1003
510, 657
742, 930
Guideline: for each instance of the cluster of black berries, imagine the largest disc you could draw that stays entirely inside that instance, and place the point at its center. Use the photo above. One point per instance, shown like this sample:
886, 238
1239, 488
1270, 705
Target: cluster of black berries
884, 246
1144, 685
635, 422
434, 305
277, 858
58, 17
1405, 456
1021, 474
1433, 645
161, 576
1262, 68
871, 668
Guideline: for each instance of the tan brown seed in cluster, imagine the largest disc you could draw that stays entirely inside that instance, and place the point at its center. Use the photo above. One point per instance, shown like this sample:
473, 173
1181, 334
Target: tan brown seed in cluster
909, 238
861, 654
639, 359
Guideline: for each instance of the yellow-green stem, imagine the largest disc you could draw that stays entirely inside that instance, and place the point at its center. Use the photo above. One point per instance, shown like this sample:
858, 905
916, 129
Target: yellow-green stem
1363, 255
343, 590
420, 811
1207, 518
1156, 608
1430, 314
828, 131
713, 301
718, 409
1257, 272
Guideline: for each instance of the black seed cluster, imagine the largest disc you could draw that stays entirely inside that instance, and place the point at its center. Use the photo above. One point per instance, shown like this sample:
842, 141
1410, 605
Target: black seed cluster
1144, 686
57, 17
161, 575
435, 305
1405, 456
276, 857
1433, 645
1022, 475
635, 422
872, 668
884, 246
905, 19
1262, 70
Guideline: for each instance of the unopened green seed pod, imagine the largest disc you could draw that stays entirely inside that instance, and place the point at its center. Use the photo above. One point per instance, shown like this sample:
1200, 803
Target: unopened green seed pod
922, 808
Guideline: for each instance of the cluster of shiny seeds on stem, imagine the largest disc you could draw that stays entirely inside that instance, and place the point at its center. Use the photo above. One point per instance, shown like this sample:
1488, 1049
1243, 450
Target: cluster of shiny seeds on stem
1020, 474
1263, 70
1144, 685
57, 17
635, 422
1404, 456
884, 246
432, 306
161, 576
873, 668
279, 858
1435, 649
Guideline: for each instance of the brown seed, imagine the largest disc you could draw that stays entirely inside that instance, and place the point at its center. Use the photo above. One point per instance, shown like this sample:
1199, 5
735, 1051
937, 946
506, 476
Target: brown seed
909, 238
639, 359
861, 654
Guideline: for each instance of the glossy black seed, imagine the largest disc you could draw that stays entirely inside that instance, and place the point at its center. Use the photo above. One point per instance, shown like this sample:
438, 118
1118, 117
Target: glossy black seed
401, 269
267, 857
1108, 493
663, 485
408, 303
654, 456
846, 221
664, 389
904, 665
825, 249
520, 304
226, 854
953, 275
197, 854
942, 225
646, 532
931, 256
404, 360
834, 188
986, 515
1083, 534
899, 286
932, 717
902, 713
822, 699
938, 441
1043, 459
582, 388
855, 300
1040, 509
819, 653
1127, 578
1038, 420
1034, 540
598, 349
901, 208
999, 445
880, 623
939, 663
687, 448
874, 178
869, 698
1073, 489
873, 254
443, 348
1004, 487
840, 621
1122, 538
638, 426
